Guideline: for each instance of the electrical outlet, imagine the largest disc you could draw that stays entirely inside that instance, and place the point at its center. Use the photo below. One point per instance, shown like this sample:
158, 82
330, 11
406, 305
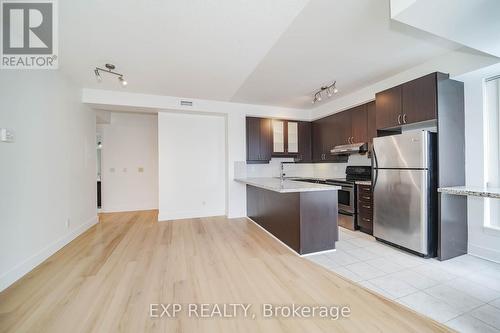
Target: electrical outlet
111, 170
140, 169
6, 135
124, 169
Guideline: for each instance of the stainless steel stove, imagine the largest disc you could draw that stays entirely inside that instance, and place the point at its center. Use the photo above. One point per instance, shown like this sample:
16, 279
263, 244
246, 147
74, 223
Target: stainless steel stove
347, 204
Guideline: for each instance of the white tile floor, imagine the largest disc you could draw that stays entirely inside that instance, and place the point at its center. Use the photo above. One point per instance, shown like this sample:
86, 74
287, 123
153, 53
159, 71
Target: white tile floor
463, 293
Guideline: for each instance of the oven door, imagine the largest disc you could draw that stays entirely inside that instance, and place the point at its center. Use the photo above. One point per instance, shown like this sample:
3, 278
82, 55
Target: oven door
347, 199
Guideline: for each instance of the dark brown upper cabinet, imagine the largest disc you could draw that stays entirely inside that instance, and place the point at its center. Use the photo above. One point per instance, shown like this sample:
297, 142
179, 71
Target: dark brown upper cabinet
324, 137
305, 142
350, 126
342, 128
259, 140
317, 140
411, 102
388, 104
359, 124
285, 138
371, 119
419, 99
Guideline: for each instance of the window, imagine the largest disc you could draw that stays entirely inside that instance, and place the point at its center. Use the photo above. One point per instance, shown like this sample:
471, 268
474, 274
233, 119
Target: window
492, 148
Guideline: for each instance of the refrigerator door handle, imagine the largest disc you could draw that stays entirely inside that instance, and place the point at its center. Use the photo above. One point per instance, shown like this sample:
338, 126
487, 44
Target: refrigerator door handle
375, 170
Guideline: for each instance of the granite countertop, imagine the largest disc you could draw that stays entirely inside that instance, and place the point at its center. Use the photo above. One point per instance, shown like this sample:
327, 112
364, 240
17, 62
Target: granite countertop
478, 191
364, 182
287, 186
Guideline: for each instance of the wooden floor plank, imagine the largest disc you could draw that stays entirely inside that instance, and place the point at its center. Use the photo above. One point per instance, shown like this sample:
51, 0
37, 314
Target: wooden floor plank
106, 279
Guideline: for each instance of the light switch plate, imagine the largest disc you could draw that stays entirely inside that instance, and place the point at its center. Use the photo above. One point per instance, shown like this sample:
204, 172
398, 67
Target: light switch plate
6, 135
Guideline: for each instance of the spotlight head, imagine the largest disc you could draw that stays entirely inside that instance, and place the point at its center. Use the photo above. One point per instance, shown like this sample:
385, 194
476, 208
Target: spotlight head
97, 75
122, 81
318, 97
329, 92
335, 90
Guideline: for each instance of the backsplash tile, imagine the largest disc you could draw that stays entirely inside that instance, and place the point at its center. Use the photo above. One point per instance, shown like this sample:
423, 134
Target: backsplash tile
316, 170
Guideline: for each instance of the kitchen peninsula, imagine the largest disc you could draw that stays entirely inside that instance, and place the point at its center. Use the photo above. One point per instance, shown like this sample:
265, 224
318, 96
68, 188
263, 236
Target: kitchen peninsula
301, 215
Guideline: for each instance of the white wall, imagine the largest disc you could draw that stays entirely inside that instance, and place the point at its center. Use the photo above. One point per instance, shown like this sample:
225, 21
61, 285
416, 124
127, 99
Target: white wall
130, 142
48, 175
482, 242
192, 165
235, 114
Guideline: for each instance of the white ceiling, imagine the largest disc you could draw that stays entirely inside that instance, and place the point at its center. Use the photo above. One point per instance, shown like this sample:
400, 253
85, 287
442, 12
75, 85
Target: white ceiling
273, 52
474, 23
353, 42
186, 48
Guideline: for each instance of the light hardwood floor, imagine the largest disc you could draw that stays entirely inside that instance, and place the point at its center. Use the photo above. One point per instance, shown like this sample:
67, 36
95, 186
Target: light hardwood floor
106, 279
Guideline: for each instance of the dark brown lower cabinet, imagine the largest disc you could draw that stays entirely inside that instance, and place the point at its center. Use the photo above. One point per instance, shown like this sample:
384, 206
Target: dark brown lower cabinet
365, 209
305, 221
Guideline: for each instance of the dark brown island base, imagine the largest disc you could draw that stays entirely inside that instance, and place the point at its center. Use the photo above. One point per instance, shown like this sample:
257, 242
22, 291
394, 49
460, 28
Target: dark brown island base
301, 215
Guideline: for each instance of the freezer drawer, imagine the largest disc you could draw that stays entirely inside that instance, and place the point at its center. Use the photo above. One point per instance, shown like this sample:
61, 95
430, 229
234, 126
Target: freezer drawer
400, 208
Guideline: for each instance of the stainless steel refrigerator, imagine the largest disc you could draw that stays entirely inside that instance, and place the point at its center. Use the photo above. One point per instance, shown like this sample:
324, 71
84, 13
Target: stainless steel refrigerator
405, 194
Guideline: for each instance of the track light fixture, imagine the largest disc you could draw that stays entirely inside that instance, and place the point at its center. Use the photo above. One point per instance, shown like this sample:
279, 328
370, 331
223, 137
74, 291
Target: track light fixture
329, 90
110, 70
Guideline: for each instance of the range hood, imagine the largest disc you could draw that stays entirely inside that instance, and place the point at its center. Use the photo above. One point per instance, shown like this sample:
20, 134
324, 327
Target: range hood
355, 148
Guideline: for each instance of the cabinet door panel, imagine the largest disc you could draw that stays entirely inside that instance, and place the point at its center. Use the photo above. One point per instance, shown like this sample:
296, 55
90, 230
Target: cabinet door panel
343, 128
266, 139
253, 139
419, 99
278, 136
359, 124
305, 144
330, 135
371, 116
318, 136
292, 137
388, 104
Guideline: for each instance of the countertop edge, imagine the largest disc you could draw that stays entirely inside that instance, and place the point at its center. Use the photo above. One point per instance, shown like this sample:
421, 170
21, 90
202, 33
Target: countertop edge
312, 188
471, 191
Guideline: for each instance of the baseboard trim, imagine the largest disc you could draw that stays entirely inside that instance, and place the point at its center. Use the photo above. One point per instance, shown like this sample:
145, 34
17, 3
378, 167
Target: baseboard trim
29, 264
127, 209
484, 253
187, 215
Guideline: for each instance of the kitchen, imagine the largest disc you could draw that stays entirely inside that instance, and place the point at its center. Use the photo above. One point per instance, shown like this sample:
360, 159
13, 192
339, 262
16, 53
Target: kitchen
396, 136
388, 160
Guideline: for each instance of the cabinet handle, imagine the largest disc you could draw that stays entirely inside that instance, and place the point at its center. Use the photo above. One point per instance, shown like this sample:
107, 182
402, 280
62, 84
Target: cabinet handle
367, 198
367, 207
404, 118
399, 119
366, 220
352, 139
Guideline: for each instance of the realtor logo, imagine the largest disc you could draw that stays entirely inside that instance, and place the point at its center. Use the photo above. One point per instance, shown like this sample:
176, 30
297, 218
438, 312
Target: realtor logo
29, 34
